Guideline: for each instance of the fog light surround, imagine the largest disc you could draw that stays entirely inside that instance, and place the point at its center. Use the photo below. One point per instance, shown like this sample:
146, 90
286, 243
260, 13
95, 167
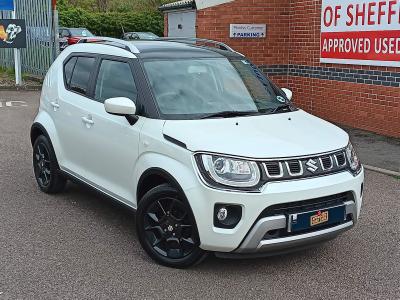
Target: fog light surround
227, 215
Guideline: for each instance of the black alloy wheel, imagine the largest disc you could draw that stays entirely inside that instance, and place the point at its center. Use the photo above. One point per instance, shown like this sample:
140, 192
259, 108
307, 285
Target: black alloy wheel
167, 229
46, 168
42, 164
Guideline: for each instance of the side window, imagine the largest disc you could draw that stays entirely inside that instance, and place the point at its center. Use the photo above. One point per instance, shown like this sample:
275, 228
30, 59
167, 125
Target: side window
81, 74
115, 79
65, 33
68, 68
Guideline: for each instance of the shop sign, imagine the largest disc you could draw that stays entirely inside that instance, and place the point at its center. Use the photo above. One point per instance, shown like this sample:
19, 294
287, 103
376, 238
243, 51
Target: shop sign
361, 32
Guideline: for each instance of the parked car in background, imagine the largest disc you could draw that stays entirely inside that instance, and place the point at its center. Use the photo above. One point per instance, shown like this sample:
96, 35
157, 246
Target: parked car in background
70, 36
139, 36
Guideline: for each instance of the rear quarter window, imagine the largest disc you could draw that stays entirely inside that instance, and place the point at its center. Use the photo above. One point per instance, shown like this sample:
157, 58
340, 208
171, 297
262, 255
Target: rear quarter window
81, 74
68, 68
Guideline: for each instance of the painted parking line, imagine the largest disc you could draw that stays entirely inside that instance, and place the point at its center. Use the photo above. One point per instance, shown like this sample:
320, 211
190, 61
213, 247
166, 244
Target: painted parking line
383, 171
4, 104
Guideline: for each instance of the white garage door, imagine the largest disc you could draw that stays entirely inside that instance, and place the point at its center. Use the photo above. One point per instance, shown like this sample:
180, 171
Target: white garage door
182, 24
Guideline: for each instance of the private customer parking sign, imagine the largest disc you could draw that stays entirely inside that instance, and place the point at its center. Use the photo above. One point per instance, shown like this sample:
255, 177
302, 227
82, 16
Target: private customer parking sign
248, 31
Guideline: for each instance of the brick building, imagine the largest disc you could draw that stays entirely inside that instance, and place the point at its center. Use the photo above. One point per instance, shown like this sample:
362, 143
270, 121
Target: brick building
358, 95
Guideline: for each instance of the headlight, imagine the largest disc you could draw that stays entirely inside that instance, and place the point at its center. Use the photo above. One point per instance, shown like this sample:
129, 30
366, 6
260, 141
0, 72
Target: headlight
229, 171
354, 161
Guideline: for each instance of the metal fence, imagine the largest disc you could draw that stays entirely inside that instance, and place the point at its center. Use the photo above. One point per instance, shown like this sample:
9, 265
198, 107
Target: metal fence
42, 47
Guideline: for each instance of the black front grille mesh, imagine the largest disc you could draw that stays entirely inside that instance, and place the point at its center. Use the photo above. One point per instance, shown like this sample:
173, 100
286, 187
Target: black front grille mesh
273, 168
307, 205
294, 166
341, 160
327, 162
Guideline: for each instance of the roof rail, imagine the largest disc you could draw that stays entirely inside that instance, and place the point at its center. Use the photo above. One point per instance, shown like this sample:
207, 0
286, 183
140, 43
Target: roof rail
184, 40
110, 41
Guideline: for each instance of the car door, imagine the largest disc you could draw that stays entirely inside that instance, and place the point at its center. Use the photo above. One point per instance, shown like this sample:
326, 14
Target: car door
108, 144
67, 109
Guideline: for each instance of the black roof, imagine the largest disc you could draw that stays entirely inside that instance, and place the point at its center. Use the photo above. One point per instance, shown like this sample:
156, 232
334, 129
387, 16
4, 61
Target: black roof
170, 50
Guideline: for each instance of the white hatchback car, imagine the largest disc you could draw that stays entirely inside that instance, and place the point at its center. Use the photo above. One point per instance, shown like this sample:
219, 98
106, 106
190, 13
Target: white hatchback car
212, 155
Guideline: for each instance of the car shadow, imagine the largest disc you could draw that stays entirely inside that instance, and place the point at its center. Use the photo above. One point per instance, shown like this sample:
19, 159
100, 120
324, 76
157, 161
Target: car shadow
102, 206
110, 212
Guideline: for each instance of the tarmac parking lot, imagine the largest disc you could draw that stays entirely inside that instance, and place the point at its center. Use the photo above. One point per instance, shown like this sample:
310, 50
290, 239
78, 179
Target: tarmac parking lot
80, 245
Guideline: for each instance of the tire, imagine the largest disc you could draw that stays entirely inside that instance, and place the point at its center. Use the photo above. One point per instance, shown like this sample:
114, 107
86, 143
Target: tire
45, 166
167, 229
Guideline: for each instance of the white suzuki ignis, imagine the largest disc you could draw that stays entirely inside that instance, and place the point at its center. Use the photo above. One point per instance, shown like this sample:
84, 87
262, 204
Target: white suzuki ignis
209, 152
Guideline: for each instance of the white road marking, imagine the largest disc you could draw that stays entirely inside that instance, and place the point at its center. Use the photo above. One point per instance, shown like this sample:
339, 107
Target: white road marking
383, 171
4, 103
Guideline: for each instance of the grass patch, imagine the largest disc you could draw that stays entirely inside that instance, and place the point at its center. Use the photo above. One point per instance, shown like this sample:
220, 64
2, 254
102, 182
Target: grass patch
9, 73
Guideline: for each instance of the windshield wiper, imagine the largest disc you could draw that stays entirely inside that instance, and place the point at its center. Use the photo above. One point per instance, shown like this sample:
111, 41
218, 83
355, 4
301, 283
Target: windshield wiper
229, 114
282, 108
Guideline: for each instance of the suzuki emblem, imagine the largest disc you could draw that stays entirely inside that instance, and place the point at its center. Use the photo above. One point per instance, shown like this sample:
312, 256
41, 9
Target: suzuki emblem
312, 165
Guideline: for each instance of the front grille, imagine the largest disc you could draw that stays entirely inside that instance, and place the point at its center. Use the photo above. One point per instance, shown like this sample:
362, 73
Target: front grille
305, 167
307, 205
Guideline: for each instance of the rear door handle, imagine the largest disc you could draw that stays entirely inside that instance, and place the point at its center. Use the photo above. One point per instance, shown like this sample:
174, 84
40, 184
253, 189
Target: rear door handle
88, 121
55, 105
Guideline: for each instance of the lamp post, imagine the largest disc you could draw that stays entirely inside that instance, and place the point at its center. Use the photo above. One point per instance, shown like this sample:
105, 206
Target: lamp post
17, 57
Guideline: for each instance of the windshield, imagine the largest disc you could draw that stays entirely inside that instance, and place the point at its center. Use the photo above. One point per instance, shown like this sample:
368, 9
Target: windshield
197, 88
147, 36
80, 32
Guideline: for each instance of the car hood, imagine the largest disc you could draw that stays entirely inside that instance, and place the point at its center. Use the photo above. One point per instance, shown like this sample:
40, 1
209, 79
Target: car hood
267, 136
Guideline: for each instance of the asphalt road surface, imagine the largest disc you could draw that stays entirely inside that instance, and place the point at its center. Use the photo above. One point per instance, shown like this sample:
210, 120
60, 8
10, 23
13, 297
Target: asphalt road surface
80, 245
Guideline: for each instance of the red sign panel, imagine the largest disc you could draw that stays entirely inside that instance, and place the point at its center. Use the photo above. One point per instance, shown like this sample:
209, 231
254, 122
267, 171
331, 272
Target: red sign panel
361, 32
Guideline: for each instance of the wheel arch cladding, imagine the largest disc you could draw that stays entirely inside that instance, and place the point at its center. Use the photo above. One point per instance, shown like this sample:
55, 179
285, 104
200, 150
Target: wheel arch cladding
154, 177
48, 130
37, 130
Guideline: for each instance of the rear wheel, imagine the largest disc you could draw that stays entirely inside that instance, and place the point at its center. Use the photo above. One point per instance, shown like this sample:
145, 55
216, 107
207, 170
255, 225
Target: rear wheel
46, 168
166, 228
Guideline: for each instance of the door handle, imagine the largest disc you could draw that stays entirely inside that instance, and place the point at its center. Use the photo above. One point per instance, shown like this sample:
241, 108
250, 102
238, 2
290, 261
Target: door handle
55, 105
88, 121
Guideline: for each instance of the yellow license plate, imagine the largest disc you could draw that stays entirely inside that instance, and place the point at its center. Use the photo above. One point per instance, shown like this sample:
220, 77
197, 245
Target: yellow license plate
319, 218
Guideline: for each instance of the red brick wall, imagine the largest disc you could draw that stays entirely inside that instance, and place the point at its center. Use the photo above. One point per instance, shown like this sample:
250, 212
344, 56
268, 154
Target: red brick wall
165, 25
214, 23
293, 38
366, 106
374, 108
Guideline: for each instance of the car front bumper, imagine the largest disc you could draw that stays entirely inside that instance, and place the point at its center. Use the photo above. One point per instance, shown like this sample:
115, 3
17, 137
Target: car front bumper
254, 241
248, 236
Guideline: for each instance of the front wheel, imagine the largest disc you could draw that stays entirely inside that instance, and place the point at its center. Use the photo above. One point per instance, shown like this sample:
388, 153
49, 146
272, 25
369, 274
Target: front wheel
166, 228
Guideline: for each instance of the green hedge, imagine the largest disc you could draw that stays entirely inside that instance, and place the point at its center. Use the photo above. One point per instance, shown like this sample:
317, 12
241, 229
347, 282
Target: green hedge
111, 23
